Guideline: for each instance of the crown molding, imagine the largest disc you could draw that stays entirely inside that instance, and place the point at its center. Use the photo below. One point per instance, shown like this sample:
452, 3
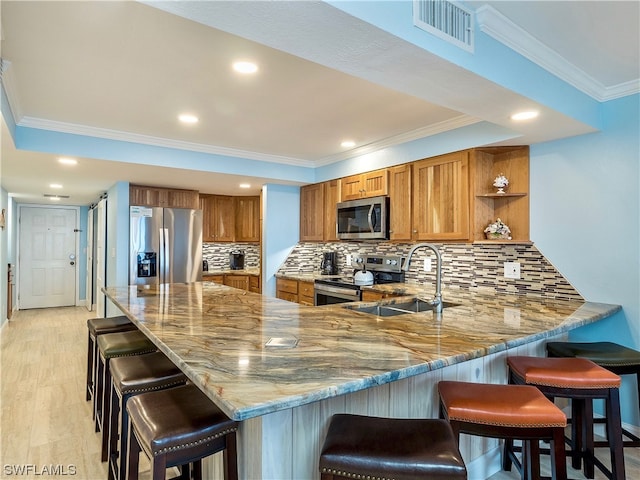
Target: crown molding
9, 84
418, 133
496, 25
108, 134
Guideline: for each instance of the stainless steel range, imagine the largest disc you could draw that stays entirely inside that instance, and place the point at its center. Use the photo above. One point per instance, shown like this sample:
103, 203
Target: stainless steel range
385, 269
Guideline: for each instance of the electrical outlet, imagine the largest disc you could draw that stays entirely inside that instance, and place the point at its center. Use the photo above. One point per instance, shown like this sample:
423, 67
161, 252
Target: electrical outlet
427, 264
348, 259
512, 270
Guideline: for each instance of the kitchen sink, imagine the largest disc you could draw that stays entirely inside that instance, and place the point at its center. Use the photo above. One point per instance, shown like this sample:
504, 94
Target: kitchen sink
389, 310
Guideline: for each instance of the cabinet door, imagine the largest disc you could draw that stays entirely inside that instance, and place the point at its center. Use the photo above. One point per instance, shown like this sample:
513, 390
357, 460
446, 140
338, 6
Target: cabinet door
311, 213
145, 196
331, 198
351, 188
375, 183
247, 219
400, 202
223, 218
306, 293
182, 198
441, 197
237, 281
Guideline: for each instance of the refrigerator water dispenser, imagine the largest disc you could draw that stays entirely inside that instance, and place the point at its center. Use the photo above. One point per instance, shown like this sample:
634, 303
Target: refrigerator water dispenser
147, 264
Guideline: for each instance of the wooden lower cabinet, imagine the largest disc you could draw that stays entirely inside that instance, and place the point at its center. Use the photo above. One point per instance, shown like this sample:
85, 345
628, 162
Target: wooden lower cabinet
373, 296
254, 284
219, 279
306, 293
237, 281
297, 291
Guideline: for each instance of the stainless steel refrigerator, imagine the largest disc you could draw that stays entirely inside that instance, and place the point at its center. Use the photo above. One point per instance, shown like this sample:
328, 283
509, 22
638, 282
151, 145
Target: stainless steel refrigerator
165, 245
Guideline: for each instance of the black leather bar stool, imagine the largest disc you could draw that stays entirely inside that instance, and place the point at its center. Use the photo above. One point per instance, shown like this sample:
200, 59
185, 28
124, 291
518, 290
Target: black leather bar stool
112, 345
616, 358
179, 427
509, 412
132, 376
100, 326
581, 381
362, 447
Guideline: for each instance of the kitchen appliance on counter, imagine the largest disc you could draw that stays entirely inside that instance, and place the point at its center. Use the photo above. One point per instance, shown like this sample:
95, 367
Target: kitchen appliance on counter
165, 245
236, 260
329, 264
363, 219
383, 269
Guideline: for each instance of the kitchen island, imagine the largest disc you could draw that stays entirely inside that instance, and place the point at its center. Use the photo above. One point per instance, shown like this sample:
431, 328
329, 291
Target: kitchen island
283, 369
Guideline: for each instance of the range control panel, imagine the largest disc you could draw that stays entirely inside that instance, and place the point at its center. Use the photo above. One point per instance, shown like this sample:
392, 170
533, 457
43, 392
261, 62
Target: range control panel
378, 263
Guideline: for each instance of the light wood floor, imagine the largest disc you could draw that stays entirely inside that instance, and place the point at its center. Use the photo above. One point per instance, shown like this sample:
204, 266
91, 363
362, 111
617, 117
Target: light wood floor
45, 421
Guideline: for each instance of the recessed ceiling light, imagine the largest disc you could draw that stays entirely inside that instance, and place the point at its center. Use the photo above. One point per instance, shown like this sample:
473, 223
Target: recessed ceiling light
527, 115
348, 144
245, 67
55, 185
245, 185
188, 118
67, 161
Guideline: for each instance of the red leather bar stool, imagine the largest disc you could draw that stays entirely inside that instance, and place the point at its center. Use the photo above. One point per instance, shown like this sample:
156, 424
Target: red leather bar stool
100, 326
112, 345
179, 427
612, 356
581, 381
132, 376
509, 412
362, 447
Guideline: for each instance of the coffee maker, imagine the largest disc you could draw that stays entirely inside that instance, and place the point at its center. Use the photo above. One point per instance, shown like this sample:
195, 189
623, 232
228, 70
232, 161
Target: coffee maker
329, 264
236, 259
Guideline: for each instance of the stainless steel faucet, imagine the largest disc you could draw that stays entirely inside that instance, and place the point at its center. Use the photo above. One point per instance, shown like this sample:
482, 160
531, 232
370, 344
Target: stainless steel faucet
437, 299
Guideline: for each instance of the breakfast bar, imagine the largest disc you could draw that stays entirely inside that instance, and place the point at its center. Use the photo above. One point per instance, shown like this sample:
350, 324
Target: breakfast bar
283, 369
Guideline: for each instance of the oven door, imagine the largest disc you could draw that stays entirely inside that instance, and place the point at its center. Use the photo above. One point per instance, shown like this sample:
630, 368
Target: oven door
329, 295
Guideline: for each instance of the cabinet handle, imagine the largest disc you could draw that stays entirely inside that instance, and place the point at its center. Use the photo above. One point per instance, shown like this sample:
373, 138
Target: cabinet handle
415, 231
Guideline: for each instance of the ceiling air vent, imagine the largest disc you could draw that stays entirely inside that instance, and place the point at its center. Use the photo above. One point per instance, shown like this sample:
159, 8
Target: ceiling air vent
447, 20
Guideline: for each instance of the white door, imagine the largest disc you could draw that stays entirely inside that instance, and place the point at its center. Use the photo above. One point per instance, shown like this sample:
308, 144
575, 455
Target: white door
89, 282
47, 262
100, 257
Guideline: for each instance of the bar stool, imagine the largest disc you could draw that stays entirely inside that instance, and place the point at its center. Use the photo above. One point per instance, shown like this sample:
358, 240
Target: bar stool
179, 427
132, 376
362, 447
509, 412
615, 358
112, 345
581, 381
100, 326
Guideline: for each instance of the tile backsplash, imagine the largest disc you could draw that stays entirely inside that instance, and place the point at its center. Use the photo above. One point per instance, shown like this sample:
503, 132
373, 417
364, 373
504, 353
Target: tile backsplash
464, 265
217, 254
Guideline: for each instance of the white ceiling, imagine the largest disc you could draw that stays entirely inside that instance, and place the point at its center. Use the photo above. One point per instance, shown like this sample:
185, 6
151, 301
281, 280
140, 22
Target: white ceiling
125, 70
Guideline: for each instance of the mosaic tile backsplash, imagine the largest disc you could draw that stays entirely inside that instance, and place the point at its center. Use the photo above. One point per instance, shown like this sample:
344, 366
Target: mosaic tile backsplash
464, 265
217, 254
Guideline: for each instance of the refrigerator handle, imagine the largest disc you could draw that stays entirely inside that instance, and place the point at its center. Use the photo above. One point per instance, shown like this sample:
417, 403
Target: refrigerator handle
164, 254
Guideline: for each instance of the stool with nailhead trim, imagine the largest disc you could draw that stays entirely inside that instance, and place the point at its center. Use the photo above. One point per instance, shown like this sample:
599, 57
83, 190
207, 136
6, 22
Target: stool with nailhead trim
132, 376
101, 326
179, 427
509, 412
113, 345
362, 447
581, 381
616, 358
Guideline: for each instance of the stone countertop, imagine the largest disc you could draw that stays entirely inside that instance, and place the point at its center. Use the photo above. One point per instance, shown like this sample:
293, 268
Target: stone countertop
228, 271
222, 338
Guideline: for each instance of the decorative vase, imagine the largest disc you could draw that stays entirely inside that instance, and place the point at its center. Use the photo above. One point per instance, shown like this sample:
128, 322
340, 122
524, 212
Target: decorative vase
501, 182
497, 236
501, 190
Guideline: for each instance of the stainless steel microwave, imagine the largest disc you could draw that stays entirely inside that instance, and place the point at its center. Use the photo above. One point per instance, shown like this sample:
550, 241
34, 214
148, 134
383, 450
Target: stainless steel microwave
363, 219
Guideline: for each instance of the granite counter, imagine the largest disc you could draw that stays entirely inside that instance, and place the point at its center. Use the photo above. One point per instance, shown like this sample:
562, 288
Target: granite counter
271, 363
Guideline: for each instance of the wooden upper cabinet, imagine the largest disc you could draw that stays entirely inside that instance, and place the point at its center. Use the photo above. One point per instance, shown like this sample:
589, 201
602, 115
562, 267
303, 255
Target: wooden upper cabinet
247, 222
331, 199
441, 198
162, 197
312, 213
400, 202
369, 184
218, 218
